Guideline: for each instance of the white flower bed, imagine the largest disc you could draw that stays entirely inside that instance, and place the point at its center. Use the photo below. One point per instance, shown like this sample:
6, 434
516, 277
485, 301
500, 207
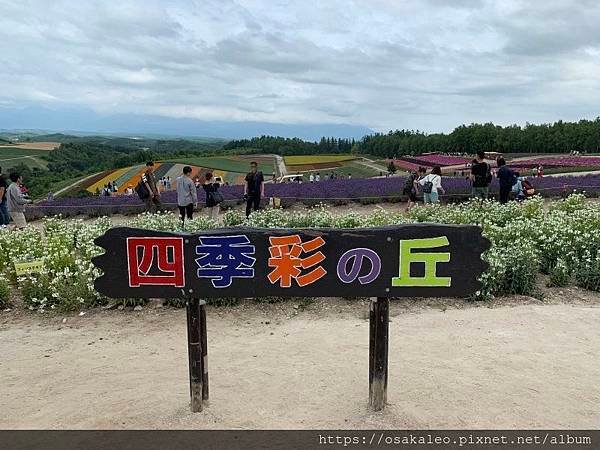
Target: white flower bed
563, 241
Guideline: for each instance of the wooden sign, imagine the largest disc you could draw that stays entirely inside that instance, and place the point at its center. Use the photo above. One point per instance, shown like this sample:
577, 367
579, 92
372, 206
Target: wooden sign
417, 260
25, 268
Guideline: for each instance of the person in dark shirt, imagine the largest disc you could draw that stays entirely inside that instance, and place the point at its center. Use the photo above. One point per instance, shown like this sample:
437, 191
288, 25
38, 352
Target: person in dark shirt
254, 189
4, 217
153, 203
506, 178
481, 176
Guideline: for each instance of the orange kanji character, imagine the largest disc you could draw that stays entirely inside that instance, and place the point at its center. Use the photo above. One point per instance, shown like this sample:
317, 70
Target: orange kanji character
286, 262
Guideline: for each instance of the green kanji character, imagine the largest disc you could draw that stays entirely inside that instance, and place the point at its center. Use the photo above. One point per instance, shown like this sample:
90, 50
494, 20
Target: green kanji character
404, 279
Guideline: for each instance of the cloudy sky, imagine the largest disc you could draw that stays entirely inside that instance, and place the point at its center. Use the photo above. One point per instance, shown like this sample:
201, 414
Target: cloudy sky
382, 64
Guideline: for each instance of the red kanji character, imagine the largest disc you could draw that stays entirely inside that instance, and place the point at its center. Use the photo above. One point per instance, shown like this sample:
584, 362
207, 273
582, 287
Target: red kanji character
286, 262
169, 261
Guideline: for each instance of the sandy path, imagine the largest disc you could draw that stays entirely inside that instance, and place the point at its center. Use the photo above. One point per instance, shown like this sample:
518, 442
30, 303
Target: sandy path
273, 366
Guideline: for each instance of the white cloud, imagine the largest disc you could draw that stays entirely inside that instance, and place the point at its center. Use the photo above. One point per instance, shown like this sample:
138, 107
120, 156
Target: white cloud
381, 63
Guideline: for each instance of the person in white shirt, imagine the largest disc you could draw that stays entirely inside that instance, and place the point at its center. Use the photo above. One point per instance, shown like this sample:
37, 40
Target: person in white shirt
431, 185
311, 178
318, 176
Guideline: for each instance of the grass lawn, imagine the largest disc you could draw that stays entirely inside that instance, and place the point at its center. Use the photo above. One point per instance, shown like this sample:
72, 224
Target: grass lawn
29, 161
14, 152
357, 170
316, 159
228, 164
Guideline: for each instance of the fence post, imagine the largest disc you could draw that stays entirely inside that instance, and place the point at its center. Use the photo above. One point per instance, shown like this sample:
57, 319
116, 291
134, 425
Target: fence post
378, 352
204, 345
195, 353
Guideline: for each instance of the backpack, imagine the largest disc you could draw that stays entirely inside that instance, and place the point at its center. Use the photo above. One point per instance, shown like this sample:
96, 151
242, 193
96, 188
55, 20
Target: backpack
216, 196
142, 190
428, 185
409, 184
528, 188
488, 175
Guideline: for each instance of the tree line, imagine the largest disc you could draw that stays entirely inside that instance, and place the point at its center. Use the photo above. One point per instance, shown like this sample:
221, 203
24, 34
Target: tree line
559, 137
290, 146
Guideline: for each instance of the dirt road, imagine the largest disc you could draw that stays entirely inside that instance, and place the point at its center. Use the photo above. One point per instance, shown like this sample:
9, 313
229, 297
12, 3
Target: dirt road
452, 365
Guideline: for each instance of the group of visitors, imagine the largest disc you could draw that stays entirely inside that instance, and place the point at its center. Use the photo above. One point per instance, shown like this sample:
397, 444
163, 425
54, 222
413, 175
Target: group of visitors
481, 176
316, 177
430, 185
187, 196
13, 198
166, 183
110, 188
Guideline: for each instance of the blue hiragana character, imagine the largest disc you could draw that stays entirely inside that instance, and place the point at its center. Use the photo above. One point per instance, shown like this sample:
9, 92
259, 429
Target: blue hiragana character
222, 258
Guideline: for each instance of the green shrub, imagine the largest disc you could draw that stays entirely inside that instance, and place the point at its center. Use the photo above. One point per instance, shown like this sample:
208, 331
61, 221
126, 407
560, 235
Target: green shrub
560, 274
4, 292
588, 274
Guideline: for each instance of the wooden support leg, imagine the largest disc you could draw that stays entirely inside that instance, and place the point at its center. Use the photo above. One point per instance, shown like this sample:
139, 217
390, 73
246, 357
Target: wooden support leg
378, 352
204, 344
195, 354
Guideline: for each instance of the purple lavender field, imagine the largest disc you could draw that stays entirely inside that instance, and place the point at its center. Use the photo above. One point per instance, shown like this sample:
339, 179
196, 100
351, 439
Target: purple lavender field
366, 190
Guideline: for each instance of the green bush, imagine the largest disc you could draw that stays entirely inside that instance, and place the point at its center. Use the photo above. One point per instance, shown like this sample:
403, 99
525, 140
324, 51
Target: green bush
559, 275
4, 292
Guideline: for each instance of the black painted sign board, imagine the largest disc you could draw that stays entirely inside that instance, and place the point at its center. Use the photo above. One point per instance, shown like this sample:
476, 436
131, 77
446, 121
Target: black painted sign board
414, 260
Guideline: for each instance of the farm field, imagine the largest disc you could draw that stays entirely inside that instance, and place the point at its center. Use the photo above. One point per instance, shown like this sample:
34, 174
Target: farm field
44, 146
240, 164
12, 156
341, 165
316, 159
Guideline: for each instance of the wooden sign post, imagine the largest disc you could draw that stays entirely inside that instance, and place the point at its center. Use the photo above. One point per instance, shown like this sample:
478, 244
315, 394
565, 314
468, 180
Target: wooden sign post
416, 260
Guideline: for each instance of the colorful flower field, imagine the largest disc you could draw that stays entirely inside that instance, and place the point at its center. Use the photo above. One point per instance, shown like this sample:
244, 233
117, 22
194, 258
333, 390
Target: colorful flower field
559, 161
370, 190
130, 176
439, 160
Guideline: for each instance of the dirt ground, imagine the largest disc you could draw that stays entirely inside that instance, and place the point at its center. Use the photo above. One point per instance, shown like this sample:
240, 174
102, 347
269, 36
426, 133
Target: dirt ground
516, 362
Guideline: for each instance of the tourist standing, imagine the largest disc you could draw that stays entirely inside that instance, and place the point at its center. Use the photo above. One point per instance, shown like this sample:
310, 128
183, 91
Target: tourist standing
153, 203
16, 201
254, 189
187, 197
432, 186
4, 217
311, 178
481, 176
410, 189
318, 177
213, 197
506, 178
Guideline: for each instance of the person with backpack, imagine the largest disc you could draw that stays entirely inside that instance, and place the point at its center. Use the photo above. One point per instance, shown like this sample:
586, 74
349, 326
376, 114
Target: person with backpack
410, 190
147, 189
481, 176
187, 197
507, 179
213, 197
432, 186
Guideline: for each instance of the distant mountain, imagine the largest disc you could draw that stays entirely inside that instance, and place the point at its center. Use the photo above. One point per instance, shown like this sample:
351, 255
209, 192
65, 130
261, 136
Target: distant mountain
89, 122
